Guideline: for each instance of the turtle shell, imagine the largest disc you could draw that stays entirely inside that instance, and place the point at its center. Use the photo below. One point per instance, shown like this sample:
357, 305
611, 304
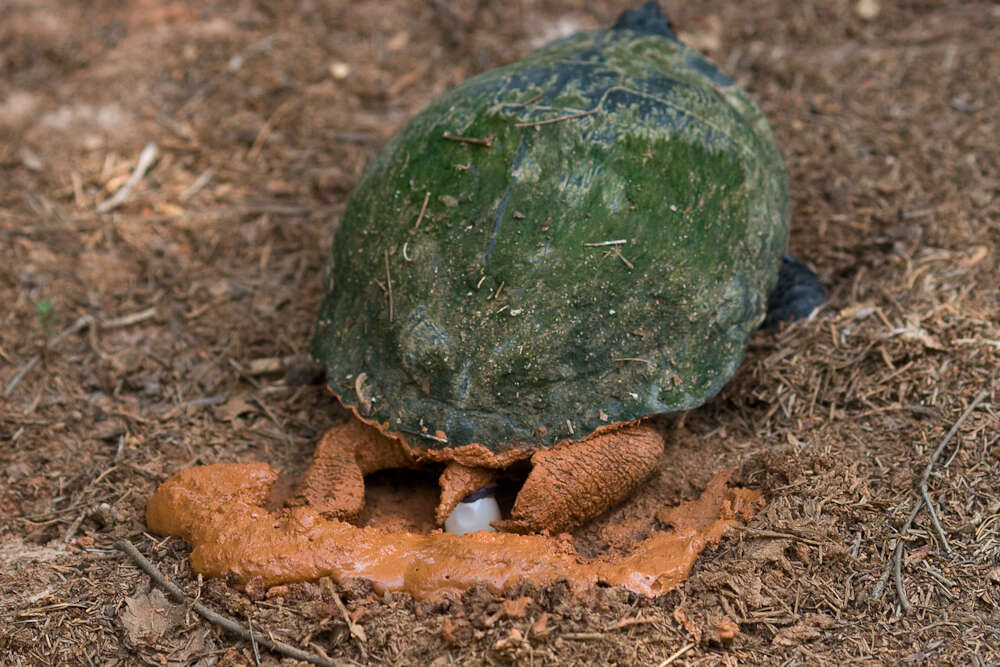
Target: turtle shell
582, 238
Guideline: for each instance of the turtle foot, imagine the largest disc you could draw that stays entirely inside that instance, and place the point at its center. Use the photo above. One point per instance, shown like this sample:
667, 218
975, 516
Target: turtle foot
798, 292
334, 484
574, 483
458, 481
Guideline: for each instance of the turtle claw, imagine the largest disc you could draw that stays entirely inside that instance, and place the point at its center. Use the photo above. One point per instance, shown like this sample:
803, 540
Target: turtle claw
574, 483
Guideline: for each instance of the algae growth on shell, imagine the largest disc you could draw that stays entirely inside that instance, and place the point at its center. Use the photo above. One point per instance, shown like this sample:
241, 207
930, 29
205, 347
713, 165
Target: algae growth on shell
598, 254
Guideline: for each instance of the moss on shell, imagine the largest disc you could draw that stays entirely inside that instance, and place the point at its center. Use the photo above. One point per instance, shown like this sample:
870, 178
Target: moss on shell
508, 327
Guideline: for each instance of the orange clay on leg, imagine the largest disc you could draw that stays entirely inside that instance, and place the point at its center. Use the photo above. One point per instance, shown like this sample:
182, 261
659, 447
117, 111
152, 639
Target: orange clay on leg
456, 482
574, 483
334, 485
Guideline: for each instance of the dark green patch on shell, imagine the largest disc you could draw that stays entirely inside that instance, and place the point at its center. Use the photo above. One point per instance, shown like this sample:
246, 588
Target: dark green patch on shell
506, 328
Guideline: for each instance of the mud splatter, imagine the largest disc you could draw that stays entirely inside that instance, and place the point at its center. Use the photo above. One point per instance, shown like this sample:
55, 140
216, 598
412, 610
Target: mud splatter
220, 510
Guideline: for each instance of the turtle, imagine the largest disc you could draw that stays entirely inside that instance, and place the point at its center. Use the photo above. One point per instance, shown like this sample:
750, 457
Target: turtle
539, 262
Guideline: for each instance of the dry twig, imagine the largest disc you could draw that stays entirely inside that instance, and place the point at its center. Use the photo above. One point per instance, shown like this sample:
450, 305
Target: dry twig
616, 252
934, 457
894, 565
357, 632
388, 285
223, 622
265, 130
266, 365
604, 243
681, 651
198, 184
80, 324
146, 159
548, 121
423, 209
487, 141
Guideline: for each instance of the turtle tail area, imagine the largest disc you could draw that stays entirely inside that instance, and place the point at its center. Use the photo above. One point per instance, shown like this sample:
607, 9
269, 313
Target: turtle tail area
797, 293
647, 18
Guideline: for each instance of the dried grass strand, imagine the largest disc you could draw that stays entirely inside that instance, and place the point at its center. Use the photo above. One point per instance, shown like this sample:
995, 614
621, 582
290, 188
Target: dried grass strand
980, 397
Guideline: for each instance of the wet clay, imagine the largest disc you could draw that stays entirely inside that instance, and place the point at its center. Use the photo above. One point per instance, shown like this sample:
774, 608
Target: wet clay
575, 482
220, 510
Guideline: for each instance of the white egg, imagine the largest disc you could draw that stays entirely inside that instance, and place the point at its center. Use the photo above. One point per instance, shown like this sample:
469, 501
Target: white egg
473, 517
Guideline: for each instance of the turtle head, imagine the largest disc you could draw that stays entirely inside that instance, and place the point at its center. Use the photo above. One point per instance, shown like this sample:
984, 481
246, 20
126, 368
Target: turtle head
647, 18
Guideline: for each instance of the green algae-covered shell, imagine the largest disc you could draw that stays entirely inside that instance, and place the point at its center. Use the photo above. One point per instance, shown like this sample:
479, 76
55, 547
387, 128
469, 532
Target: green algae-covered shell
598, 254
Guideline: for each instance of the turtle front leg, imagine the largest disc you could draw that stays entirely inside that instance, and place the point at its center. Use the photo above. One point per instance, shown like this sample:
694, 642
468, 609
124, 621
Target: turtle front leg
334, 484
574, 483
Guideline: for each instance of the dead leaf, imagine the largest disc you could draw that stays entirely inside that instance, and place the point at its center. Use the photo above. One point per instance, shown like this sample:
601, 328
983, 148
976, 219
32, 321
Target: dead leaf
148, 617
109, 429
540, 628
517, 608
233, 408
688, 624
858, 311
448, 631
913, 332
194, 649
768, 551
807, 630
726, 629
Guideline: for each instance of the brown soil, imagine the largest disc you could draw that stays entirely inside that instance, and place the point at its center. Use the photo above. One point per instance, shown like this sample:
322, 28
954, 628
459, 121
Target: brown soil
171, 330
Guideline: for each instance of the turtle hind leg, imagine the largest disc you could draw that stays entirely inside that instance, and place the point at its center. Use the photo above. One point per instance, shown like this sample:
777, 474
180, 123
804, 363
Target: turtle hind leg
798, 292
334, 484
574, 483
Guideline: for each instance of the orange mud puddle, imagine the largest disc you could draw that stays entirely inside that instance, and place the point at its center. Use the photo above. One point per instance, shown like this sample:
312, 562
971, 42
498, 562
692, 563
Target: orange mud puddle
222, 511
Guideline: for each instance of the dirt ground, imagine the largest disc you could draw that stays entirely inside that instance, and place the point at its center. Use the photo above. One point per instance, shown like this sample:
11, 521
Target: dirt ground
144, 336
